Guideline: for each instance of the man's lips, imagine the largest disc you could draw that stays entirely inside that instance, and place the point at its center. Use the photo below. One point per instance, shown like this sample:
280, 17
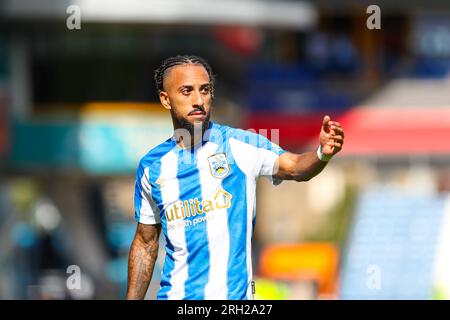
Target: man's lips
196, 113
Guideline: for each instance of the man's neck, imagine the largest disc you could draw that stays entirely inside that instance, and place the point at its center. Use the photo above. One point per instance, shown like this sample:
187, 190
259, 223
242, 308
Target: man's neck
187, 144
186, 139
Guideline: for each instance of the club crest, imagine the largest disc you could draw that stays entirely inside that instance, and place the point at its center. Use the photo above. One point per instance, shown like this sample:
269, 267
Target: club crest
218, 164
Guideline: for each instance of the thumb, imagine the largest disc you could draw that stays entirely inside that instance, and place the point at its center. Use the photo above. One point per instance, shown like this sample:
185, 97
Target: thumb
325, 121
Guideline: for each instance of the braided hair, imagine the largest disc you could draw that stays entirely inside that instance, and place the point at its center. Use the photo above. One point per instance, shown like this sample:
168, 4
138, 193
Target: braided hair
181, 60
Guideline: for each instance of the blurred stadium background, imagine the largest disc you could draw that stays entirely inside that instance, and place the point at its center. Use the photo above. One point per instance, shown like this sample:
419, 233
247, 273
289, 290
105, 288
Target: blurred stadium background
78, 109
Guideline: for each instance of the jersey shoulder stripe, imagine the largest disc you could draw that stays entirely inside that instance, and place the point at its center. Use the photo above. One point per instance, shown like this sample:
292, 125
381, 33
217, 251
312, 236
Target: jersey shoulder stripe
146, 208
157, 152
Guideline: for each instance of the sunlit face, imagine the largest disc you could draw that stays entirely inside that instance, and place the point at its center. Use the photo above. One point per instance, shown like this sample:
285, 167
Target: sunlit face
187, 94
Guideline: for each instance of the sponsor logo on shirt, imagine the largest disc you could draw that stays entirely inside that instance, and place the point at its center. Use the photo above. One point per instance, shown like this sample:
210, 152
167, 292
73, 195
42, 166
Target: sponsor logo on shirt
195, 207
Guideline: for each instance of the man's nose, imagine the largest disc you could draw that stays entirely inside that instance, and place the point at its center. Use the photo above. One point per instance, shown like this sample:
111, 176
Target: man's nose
198, 99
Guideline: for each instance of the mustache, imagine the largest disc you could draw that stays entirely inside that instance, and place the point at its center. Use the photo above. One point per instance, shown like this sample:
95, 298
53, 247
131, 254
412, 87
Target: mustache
197, 110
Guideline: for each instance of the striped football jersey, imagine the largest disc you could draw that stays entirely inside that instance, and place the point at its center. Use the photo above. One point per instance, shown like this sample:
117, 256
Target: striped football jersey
204, 198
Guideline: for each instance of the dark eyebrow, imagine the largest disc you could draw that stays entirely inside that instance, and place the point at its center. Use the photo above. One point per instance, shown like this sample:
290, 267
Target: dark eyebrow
189, 87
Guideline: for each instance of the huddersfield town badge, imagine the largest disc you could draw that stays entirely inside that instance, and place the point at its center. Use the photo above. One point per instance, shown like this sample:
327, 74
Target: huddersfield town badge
218, 164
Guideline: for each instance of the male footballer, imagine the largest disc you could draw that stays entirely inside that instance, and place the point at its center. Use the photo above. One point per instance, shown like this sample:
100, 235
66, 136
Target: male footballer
199, 188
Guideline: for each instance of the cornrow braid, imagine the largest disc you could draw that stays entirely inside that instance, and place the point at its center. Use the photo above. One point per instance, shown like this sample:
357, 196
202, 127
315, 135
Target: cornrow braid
181, 60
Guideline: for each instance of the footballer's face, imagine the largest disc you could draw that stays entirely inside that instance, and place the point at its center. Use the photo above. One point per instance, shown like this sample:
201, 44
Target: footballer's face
188, 95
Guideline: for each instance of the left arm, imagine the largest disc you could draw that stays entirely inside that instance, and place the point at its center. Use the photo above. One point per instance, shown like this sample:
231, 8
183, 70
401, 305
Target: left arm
303, 167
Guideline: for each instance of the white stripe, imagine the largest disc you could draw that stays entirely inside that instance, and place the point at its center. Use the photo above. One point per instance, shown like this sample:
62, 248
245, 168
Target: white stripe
441, 276
170, 193
253, 160
245, 156
216, 226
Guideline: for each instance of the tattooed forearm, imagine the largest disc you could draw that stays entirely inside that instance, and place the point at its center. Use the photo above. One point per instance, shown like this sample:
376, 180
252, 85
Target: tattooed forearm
141, 261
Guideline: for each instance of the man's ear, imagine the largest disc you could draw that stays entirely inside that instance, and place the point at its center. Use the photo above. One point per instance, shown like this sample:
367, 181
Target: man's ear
165, 101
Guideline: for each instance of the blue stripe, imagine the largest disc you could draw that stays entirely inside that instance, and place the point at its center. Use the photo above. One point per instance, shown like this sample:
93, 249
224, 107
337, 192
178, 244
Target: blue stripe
237, 276
196, 236
137, 192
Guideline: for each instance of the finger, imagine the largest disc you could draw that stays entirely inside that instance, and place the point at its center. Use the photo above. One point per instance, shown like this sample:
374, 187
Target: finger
334, 144
325, 121
335, 123
333, 135
337, 138
337, 129
334, 126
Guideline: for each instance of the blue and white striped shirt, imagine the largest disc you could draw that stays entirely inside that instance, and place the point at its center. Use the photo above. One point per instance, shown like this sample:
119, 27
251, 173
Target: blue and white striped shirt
204, 199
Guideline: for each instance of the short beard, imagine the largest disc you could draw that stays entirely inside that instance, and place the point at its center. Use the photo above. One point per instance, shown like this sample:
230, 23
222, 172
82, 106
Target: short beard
194, 128
191, 127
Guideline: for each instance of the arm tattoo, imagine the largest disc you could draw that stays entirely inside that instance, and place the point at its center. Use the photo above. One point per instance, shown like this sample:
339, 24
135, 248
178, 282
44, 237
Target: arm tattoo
141, 263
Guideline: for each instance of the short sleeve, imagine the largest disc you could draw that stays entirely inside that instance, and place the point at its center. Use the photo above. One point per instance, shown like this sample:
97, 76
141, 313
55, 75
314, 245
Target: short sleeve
255, 154
146, 210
